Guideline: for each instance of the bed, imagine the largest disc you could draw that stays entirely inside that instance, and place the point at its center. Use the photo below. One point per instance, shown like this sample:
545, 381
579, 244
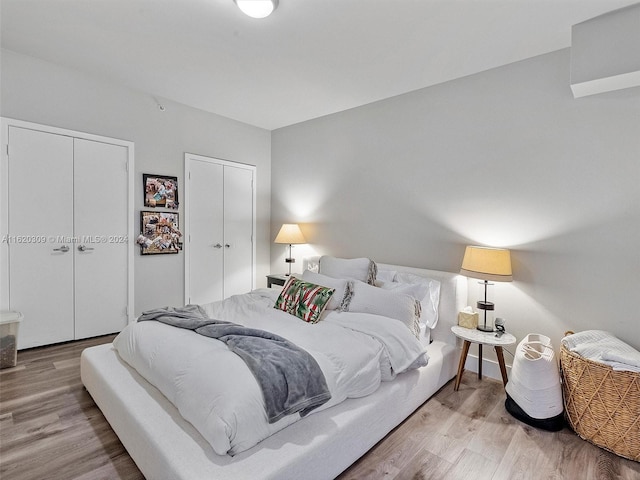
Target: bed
318, 446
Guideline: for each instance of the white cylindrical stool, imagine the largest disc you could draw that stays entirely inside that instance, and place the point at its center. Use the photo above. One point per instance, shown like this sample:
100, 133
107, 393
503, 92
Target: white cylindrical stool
534, 392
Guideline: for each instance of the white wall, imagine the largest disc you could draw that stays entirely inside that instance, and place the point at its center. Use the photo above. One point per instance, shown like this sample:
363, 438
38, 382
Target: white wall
605, 52
41, 92
506, 158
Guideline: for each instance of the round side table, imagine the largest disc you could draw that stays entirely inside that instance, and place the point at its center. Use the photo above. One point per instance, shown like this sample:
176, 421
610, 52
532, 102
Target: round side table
481, 338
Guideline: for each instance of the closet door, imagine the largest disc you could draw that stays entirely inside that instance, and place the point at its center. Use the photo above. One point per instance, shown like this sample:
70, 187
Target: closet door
219, 212
100, 250
40, 233
206, 232
238, 230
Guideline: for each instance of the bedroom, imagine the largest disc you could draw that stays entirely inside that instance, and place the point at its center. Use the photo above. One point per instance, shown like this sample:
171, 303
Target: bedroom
503, 157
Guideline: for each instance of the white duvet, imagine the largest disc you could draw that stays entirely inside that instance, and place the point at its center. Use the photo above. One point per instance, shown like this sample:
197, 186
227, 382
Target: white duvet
215, 391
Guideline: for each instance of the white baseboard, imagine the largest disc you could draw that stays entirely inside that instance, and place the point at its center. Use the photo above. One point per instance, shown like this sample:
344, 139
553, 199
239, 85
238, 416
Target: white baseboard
490, 368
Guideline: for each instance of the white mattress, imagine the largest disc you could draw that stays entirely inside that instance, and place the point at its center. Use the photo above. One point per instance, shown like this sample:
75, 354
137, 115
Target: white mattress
320, 446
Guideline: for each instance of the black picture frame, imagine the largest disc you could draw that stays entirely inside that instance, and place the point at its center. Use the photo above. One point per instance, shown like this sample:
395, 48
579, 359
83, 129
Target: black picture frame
160, 191
159, 233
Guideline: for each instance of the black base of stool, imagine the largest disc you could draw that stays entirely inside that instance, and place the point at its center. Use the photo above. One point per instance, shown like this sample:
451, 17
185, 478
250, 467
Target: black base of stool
553, 424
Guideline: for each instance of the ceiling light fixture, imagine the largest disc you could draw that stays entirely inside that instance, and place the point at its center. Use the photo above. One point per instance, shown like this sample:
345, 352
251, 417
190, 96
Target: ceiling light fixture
257, 8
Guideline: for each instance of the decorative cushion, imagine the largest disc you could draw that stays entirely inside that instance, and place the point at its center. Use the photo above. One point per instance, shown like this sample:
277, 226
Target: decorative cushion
343, 288
288, 298
303, 299
362, 269
387, 303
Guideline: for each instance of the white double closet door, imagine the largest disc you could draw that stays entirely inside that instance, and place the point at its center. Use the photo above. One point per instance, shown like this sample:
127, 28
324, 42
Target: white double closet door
67, 236
219, 208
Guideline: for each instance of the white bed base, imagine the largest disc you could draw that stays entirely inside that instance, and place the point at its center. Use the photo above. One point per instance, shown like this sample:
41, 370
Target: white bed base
320, 446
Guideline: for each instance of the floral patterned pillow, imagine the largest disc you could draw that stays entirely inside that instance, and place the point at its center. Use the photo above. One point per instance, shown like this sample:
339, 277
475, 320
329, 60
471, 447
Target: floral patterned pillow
288, 298
305, 300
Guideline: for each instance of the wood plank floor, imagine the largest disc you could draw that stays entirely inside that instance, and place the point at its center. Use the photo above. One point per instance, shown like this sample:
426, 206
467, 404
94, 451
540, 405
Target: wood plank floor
51, 429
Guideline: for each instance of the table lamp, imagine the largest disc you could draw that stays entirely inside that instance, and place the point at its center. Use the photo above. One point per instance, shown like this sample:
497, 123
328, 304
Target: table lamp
486, 263
290, 234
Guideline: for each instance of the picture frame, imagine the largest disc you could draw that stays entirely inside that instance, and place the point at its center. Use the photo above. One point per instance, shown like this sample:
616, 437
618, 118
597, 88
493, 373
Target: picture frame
160, 191
159, 233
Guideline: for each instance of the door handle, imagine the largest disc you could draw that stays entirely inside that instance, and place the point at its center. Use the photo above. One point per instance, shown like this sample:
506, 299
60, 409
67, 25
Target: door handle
63, 249
217, 245
83, 248
227, 245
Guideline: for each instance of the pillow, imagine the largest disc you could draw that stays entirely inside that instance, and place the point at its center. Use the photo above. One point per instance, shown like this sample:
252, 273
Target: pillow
388, 303
343, 289
362, 269
288, 299
416, 290
385, 276
430, 301
303, 299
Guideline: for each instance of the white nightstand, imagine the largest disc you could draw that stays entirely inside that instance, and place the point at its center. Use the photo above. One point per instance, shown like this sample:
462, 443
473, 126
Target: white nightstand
481, 338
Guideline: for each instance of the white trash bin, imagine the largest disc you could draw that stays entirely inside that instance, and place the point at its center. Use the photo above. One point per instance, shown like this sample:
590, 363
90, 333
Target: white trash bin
9, 323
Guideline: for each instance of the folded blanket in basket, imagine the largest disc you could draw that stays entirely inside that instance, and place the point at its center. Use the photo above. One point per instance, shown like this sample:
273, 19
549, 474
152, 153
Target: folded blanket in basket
290, 378
603, 347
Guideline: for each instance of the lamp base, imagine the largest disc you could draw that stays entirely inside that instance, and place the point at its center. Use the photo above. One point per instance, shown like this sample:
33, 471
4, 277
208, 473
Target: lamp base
486, 306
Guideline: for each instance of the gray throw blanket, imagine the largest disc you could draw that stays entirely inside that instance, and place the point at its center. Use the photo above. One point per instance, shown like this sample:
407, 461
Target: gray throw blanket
290, 378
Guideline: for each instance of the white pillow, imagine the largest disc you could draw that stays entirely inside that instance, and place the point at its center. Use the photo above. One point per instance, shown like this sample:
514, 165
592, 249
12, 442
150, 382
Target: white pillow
416, 290
387, 303
343, 288
362, 269
385, 276
430, 300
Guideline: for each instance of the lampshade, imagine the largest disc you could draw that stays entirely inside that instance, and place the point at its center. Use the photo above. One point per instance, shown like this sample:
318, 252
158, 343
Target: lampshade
290, 233
487, 263
257, 8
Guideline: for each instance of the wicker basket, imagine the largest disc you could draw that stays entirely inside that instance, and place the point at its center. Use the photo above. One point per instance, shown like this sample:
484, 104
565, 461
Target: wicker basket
602, 405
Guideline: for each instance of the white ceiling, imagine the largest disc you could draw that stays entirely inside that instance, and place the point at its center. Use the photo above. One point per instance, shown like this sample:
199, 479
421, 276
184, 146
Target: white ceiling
308, 59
